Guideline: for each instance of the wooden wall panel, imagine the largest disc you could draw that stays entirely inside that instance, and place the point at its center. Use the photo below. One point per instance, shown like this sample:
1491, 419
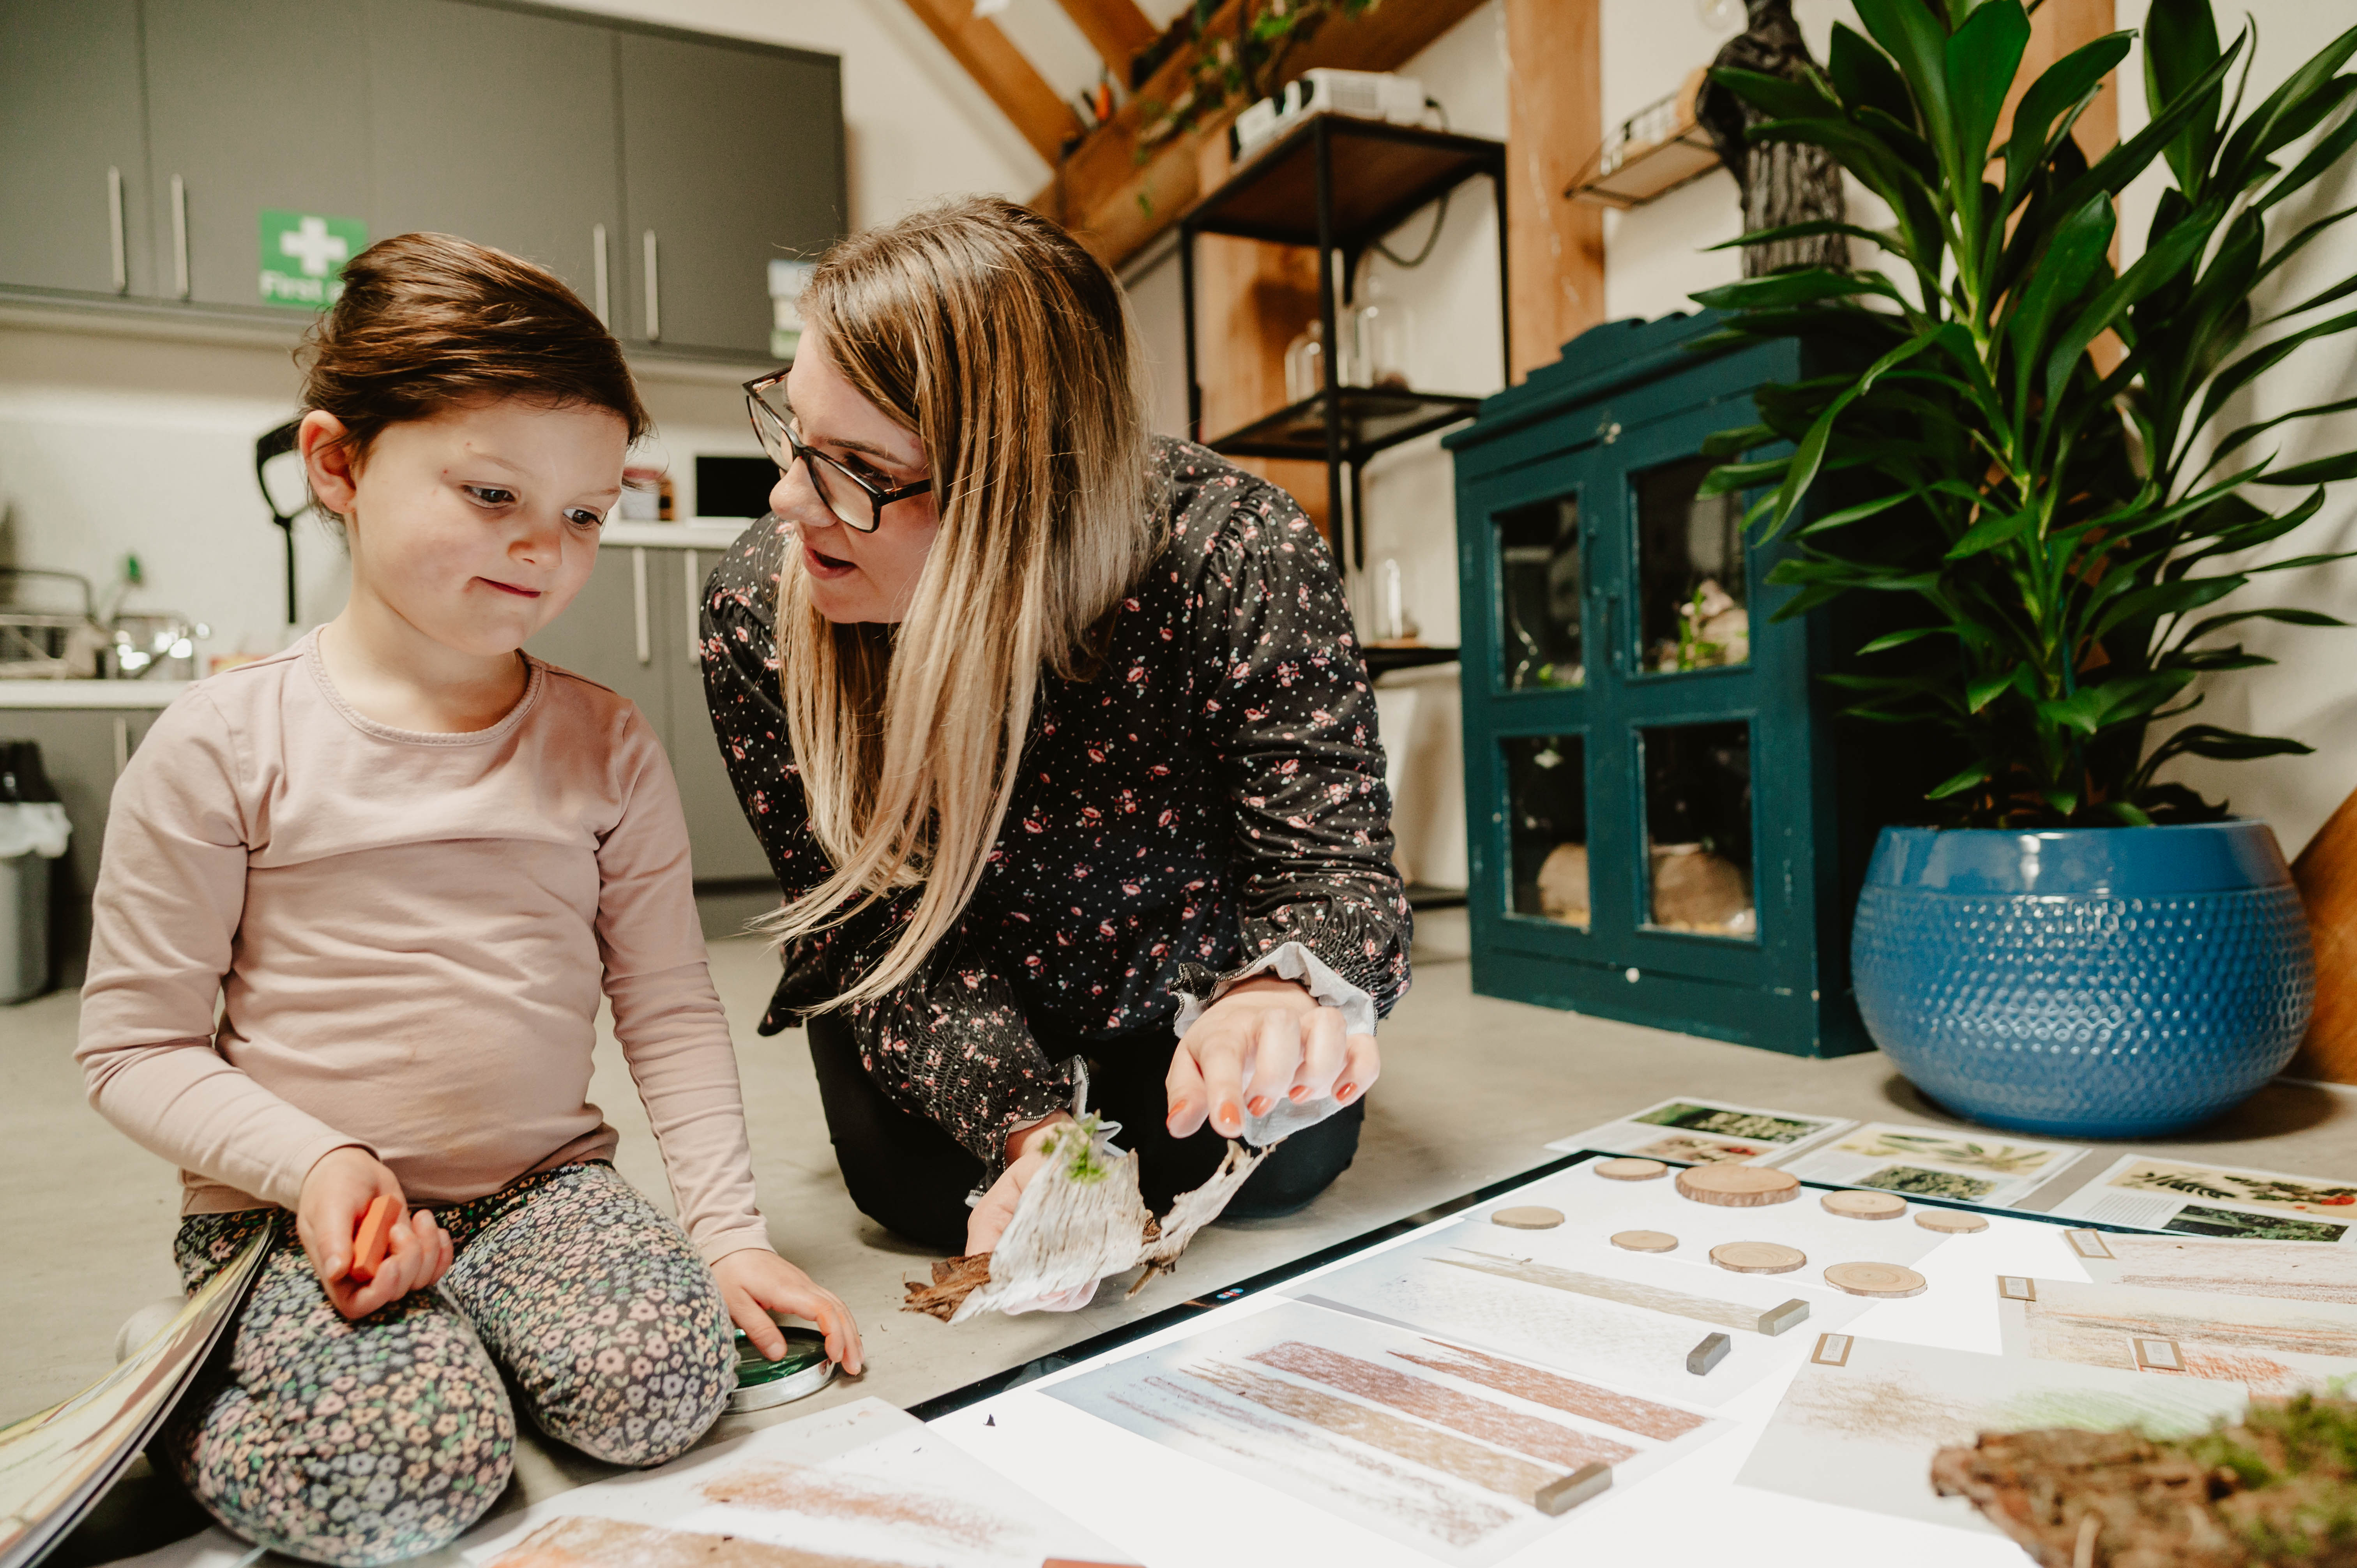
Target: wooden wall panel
1554, 246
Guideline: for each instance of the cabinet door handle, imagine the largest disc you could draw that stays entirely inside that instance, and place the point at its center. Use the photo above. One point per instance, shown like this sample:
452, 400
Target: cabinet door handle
639, 604
694, 608
597, 258
122, 273
654, 291
179, 238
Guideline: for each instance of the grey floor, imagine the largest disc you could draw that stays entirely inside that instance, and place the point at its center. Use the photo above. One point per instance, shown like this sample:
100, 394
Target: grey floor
1472, 1087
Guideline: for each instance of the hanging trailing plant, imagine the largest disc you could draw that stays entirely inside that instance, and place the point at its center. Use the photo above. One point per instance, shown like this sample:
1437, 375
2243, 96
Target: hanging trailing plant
2035, 457
1239, 57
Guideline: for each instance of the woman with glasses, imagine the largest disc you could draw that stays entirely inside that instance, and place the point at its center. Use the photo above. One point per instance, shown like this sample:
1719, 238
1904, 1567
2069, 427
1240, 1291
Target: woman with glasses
1059, 743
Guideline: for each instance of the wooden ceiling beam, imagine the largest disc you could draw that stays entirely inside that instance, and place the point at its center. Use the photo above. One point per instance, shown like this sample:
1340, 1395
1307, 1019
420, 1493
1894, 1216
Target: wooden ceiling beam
999, 68
1116, 29
1117, 205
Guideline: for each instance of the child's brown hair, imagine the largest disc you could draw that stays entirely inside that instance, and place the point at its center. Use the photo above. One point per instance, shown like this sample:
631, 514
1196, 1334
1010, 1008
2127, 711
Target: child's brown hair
429, 322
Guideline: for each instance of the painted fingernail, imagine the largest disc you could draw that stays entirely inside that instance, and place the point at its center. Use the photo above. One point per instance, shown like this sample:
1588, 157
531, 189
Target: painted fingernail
1179, 1113
1298, 1093
1229, 1113
1261, 1102
1346, 1093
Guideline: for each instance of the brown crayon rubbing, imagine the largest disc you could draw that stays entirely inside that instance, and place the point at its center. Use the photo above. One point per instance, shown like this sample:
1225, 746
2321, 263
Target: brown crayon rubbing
1628, 1292
619, 1543
787, 1487
1479, 1466
1627, 1411
1417, 1501
1493, 1424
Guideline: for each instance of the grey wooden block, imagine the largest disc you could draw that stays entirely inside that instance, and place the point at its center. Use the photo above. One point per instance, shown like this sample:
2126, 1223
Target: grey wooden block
1566, 1493
1709, 1354
1791, 1314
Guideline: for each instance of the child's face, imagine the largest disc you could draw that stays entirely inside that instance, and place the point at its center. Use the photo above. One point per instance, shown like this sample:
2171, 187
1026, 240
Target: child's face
478, 525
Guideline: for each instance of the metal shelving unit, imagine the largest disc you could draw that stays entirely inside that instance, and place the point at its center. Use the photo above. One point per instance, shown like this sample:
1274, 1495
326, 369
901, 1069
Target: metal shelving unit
1339, 184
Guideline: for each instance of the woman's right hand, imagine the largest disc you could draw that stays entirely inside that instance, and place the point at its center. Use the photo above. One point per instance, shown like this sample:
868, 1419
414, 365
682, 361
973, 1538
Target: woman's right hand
336, 1193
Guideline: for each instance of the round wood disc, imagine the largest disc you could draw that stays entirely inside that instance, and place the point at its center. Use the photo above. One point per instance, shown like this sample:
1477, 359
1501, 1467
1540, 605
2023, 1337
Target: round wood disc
1874, 1279
1646, 1240
1866, 1205
1737, 1186
1953, 1221
1631, 1169
1758, 1257
1530, 1219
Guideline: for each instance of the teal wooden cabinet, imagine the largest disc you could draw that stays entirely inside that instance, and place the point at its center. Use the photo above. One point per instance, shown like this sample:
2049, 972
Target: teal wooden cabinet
1666, 825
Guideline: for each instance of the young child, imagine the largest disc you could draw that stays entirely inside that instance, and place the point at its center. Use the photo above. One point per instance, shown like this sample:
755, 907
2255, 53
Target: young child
403, 859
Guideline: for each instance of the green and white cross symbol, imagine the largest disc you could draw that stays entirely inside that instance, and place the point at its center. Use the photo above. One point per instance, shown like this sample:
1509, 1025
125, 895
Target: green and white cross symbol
302, 256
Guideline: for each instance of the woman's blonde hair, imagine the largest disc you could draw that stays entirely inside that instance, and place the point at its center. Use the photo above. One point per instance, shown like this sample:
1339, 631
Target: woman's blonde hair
1008, 350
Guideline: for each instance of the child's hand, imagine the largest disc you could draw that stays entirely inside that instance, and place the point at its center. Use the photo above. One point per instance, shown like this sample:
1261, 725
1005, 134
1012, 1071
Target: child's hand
756, 1281
336, 1193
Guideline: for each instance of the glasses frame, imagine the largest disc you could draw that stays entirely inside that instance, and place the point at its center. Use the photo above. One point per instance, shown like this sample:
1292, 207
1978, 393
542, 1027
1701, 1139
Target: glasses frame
766, 419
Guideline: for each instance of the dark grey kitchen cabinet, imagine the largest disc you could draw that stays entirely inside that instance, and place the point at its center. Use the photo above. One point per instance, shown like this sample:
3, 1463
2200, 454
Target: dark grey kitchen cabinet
73, 182
82, 750
633, 630
731, 155
250, 105
501, 127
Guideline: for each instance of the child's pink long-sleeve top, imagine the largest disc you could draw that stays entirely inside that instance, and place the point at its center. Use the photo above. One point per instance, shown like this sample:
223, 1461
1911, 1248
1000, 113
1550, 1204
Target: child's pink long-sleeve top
315, 930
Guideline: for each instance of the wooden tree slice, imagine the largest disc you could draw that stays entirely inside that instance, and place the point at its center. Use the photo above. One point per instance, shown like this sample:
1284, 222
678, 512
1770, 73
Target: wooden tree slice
1737, 1186
1949, 1221
1646, 1242
1631, 1169
1533, 1218
1758, 1257
1865, 1204
1887, 1279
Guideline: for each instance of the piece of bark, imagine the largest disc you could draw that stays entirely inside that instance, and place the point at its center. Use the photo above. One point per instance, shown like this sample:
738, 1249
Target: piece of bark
1191, 1211
1080, 1219
954, 1280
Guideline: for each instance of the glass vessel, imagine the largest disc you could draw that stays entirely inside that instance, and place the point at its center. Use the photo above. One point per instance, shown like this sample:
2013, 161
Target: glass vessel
1546, 781
1698, 829
1691, 593
1542, 585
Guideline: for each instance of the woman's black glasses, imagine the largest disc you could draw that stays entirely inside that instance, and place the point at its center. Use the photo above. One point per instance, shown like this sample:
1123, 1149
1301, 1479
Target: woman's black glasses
859, 508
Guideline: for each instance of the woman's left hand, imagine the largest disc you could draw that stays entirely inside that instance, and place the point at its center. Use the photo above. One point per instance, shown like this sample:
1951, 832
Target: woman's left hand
756, 1281
1267, 1037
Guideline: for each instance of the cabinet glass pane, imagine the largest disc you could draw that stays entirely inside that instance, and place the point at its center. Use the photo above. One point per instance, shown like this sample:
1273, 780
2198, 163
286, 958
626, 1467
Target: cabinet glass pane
1698, 829
1691, 593
1547, 782
1540, 587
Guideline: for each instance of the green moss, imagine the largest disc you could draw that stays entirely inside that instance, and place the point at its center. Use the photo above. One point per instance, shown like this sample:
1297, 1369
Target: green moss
1075, 1142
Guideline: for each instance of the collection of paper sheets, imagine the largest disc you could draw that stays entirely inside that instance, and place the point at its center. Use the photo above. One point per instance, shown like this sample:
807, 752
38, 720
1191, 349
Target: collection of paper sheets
1423, 1400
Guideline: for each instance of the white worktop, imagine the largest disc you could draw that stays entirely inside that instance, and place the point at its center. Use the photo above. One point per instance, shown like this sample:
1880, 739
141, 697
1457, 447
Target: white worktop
89, 694
705, 535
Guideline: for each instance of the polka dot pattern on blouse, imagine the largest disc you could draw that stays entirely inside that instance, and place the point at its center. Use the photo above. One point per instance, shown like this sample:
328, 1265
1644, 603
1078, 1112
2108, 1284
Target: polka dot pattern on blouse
1216, 789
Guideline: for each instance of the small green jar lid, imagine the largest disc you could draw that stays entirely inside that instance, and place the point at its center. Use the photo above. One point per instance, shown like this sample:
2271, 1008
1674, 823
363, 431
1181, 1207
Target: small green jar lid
761, 1382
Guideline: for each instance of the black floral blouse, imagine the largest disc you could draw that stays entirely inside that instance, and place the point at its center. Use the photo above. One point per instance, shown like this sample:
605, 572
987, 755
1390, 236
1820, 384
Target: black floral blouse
1215, 791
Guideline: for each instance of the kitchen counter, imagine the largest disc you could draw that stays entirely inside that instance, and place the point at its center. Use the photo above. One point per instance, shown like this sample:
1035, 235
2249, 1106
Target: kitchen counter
705, 535
89, 694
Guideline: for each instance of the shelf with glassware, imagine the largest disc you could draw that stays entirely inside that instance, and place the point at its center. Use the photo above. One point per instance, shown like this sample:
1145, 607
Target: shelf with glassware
1339, 185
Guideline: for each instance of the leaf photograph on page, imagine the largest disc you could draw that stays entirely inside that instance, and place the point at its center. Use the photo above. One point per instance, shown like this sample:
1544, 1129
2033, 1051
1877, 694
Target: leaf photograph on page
1441, 1447
1693, 1131
2217, 1202
2248, 1189
1764, 1126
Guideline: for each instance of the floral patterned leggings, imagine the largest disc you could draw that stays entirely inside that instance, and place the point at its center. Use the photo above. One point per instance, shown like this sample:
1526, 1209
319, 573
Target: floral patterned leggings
359, 1442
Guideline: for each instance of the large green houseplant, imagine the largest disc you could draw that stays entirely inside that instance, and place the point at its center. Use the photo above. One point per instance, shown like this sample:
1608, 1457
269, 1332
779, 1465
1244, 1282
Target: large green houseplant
2045, 473
2037, 455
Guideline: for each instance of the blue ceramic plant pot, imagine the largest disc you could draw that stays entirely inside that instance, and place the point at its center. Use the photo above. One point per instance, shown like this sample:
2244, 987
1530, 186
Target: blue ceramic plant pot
2097, 983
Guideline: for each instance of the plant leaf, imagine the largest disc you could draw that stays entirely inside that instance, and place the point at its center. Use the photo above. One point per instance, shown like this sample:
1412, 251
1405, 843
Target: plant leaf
1917, 44
1858, 514
2181, 46
1891, 640
1978, 773
2160, 263
2250, 366
2323, 471
1804, 287
1864, 77
2060, 87
1990, 532
1882, 237
1981, 59
1781, 98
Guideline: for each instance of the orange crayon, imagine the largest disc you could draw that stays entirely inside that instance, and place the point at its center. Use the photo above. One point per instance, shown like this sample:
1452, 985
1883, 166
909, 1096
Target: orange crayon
375, 1232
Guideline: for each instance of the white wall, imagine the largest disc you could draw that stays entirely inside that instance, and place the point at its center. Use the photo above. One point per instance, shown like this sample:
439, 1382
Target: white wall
112, 445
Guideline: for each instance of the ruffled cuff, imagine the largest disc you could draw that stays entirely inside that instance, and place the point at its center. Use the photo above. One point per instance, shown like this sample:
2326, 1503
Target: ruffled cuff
1198, 987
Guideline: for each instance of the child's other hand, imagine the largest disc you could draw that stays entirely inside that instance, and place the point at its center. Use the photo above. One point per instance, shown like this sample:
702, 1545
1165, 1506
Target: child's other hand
336, 1194
756, 1281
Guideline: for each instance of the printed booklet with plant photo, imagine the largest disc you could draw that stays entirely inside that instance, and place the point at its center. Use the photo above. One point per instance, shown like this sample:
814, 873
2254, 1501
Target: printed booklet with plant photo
2217, 1202
1693, 1131
1963, 1165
